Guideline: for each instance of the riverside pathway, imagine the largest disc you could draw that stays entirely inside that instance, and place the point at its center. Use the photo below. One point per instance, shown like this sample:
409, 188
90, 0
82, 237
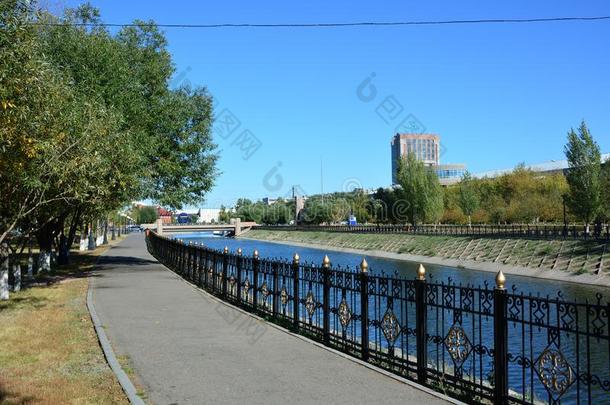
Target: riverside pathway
188, 348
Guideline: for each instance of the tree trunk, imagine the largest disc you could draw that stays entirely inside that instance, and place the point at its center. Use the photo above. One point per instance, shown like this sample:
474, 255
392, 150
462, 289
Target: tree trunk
30, 260
74, 224
105, 241
63, 257
4, 271
16, 277
91, 243
45, 243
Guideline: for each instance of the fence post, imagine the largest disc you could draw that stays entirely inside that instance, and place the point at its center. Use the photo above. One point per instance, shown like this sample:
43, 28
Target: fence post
214, 275
198, 254
180, 266
189, 261
500, 341
179, 256
421, 326
364, 309
174, 254
206, 268
238, 281
326, 299
295, 291
4, 271
255, 266
196, 263
276, 295
203, 262
225, 268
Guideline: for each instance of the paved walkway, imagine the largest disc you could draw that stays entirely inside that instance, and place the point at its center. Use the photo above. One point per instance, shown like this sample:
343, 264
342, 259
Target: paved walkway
187, 347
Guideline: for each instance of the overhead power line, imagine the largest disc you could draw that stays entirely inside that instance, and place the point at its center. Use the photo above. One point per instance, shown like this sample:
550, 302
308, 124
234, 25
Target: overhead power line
346, 24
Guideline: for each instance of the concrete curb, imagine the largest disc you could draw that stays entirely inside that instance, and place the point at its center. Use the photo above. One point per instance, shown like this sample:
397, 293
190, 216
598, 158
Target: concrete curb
126, 384
320, 345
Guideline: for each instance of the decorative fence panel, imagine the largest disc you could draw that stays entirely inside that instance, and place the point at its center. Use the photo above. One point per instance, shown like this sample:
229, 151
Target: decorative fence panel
478, 344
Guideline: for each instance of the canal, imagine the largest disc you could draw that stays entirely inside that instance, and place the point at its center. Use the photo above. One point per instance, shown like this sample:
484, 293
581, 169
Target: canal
378, 265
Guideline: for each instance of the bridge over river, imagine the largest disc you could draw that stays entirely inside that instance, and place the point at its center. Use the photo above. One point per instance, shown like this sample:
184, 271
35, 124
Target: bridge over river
235, 228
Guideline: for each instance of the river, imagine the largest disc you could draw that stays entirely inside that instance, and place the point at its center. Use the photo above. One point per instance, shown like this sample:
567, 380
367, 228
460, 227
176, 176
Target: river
378, 265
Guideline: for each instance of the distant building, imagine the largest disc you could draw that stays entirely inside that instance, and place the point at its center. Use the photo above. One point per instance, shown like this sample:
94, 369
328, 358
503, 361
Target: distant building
164, 215
426, 148
450, 173
550, 167
204, 215
269, 200
209, 215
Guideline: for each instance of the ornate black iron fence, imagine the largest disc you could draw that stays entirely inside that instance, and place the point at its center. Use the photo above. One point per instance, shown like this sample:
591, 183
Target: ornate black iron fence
576, 232
478, 344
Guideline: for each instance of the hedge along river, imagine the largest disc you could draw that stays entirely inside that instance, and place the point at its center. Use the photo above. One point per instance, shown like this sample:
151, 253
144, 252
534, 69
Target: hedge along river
525, 340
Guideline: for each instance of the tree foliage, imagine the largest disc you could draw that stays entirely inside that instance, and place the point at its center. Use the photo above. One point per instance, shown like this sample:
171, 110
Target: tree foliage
88, 122
468, 198
420, 188
605, 186
145, 214
584, 159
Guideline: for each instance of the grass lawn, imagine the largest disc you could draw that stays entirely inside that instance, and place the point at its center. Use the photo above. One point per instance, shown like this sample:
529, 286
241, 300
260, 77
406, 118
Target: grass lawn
49, 352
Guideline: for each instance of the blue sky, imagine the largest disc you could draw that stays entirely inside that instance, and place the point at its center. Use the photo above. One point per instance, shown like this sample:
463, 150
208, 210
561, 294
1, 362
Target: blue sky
497, 95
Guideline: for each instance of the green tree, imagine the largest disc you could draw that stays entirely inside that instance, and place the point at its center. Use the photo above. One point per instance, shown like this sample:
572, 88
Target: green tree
317, 211
421, 189
605, 187
88, 122
224, 216
145, 215
584, 159
468, 198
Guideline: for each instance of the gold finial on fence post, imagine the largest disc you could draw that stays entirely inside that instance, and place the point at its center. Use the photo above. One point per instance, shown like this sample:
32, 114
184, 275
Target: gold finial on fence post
421, 272
225, 250
326, 261
364, 266
500, 280
255, 254
296, 258
239, 251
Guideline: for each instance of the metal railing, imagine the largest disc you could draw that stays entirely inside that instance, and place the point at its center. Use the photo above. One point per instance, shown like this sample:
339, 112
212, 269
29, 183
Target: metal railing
477, 344
576, 232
